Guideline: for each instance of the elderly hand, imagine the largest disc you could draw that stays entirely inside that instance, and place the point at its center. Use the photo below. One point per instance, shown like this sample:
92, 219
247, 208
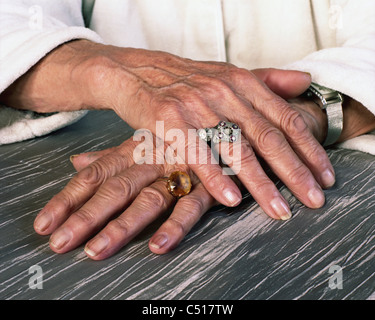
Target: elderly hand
146, 86
108, 183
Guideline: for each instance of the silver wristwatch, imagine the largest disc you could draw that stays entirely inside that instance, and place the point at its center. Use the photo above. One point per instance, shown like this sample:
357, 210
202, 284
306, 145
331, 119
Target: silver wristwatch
330, 101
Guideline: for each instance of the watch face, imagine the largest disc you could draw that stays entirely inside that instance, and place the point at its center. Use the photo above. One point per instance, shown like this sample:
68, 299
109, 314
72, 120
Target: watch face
326, 95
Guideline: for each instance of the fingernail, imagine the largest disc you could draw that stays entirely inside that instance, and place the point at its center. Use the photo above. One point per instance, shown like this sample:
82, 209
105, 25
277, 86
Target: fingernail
43, 221
72, 157
60, 238
328, 178
159, 241
232, 197
316, 197
281, 209
97, 245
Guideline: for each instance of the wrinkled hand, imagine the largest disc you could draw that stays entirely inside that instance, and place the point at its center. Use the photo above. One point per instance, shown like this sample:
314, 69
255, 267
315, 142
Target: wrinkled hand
146, 86
109, 183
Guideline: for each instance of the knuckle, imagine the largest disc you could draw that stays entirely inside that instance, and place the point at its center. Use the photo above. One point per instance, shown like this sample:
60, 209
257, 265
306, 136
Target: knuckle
299, 175
90, 175
170, 109
212, 85
62, 202
85, 217
243, 160
240, 75
118, 187
153, 197
242, 154
192, 205
237, 72
217, 86
293, 123
271, 140
262, 186
316, 152
211, 179
177, 226
246, 152
119, 226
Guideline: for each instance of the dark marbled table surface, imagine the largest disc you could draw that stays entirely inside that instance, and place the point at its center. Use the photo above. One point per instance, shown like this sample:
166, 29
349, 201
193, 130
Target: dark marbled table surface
231, 254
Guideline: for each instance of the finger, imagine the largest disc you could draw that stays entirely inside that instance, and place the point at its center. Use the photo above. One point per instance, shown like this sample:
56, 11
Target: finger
81, 188
287, 84
209, 172
243, 162
81, 161
111, 198
292, 125
300, 138
220, 186
270, 144
150, 204
125, 150
185, 215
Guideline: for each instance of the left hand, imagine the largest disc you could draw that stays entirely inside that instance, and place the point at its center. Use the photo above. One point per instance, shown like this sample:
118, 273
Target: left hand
109, 182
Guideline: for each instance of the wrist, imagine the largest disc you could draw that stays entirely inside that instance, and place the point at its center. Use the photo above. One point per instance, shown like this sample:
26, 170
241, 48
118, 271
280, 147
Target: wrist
106, 76
52, 84
87, 74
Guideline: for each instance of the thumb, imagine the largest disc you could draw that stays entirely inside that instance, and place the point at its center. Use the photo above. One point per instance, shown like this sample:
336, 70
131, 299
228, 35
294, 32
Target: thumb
287, 84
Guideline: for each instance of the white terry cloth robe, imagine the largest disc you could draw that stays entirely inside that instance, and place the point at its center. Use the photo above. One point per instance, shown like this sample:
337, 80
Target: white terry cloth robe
334, 40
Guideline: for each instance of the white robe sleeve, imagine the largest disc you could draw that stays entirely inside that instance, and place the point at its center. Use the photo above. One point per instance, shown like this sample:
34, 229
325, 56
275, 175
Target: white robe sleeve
349, 67
30, 29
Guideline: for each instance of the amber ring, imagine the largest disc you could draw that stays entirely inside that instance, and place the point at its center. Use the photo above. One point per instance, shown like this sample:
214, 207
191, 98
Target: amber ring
224, 131
178, 184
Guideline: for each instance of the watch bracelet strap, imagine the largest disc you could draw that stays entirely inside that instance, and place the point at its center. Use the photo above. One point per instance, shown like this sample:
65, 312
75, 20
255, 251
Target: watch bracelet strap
335, 123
